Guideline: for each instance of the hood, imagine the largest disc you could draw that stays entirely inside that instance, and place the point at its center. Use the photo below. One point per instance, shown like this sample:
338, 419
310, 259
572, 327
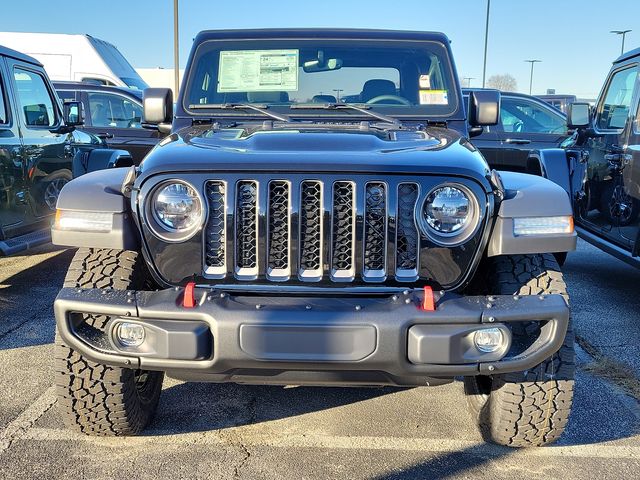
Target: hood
338, 148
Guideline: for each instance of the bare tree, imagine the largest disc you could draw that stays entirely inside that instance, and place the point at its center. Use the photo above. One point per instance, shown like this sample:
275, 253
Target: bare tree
504, 82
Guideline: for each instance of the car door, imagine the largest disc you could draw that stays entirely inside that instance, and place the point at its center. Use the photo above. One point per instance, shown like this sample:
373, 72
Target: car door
527, 124
631, 174
119, 117
613, 207
46, 152
14, 206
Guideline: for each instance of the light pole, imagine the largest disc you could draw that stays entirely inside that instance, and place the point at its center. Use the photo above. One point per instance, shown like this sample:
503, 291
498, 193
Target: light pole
338, 90
532, 62
468, 79
624, 34
486, 42
176, 54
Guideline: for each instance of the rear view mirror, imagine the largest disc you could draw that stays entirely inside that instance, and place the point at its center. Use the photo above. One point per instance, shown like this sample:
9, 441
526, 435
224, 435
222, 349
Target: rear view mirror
578, 115
72, 113
157, 109
484, 108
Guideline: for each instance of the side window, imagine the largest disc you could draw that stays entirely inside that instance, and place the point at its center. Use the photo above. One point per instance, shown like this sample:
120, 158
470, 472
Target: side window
4, 118
522, 116
614, 110
35, 100
115, 111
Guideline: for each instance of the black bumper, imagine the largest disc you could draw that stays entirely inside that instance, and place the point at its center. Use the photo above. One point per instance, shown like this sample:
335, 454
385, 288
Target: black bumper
310, 340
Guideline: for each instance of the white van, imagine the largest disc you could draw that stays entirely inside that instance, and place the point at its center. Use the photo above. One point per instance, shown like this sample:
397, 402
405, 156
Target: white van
80, 58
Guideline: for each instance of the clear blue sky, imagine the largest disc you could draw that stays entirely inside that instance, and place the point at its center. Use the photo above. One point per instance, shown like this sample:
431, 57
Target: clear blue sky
571, 37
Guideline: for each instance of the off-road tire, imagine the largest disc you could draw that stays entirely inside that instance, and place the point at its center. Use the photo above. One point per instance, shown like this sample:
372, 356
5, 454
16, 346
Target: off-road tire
98, 399
525, 409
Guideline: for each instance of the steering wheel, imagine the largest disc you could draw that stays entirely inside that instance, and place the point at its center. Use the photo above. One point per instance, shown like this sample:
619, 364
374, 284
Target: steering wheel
393, 98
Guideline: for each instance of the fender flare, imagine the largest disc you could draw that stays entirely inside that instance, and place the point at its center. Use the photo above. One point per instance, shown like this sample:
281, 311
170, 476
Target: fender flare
551, 163
99, 192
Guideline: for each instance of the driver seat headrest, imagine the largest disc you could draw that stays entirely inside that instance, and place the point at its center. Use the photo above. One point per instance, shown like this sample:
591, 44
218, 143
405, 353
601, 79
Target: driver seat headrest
375, 87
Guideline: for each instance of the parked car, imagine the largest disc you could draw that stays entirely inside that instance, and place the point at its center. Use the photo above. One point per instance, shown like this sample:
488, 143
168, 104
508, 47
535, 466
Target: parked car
526, 123
279, 238
81, 58
40, 151
112, 113
561, 102
600, 164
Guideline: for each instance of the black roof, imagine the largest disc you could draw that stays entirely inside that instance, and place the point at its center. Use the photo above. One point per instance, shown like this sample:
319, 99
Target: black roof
7, 52
320, 33
66, 85
627, 55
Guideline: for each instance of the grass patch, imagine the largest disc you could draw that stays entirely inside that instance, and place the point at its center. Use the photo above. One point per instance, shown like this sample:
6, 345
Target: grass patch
616, 372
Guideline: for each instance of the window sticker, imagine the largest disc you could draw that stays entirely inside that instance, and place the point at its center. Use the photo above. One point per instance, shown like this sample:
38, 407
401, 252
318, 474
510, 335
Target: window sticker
424, 81
434, 97
258, 71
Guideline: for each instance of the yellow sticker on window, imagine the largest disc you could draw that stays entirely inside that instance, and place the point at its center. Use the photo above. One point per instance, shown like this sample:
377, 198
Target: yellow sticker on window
434, 97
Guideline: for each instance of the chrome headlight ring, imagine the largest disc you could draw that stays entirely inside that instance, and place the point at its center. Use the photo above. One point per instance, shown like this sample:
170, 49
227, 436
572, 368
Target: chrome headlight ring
160, 227
460, 232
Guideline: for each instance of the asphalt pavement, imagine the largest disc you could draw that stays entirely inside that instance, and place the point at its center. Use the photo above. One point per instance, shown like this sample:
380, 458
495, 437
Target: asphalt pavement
253, 432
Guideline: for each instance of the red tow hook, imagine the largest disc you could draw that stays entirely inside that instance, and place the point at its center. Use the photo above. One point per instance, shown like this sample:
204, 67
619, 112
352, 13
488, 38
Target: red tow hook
428, 302
189, 297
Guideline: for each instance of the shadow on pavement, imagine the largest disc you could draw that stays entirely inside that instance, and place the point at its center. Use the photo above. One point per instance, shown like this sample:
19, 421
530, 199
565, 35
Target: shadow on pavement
27, 297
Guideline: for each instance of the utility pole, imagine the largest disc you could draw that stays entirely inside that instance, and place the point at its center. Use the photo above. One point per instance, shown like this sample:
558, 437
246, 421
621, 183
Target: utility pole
468, 80
176, 54
532, 62
624, 34
338, 90
486, 43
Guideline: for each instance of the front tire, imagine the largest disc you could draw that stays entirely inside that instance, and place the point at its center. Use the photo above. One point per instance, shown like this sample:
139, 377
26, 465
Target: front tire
98, 399
531, 408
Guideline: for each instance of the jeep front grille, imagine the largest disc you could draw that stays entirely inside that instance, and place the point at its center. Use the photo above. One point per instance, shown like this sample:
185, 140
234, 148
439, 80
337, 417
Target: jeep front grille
306, 230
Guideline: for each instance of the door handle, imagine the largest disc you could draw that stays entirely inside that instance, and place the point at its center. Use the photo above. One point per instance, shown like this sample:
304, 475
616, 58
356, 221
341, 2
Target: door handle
517, 141
104, 135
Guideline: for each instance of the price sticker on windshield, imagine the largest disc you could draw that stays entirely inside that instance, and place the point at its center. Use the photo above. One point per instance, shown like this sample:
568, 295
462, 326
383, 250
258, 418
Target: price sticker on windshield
434, 97
258, 71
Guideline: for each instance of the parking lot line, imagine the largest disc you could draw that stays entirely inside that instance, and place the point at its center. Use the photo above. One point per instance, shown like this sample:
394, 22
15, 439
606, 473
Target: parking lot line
336, 442
18, 427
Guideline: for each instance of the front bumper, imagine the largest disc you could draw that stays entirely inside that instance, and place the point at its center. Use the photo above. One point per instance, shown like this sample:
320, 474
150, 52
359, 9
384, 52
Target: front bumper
345, 340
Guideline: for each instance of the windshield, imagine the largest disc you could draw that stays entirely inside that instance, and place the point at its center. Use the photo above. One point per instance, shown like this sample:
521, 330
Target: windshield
118, 64
404, 78
136, 83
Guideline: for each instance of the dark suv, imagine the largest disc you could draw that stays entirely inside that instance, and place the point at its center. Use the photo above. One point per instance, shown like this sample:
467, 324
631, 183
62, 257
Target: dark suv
39, 151
114, 114
600, 165
279, 236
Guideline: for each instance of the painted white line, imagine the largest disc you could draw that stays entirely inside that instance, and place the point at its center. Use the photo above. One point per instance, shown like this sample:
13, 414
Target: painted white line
21, 425
332, 442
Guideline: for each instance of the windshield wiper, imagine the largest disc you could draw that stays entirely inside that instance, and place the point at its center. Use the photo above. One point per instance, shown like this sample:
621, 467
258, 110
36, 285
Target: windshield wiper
349, 106
239, 106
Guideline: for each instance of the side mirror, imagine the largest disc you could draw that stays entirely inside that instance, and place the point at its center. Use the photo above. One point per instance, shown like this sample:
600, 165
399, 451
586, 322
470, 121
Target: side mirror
484, 108
72, 113
157, 109
578, 115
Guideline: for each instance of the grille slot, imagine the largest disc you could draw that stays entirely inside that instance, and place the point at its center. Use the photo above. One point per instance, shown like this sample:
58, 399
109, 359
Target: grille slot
311, 231
246, 230
375, 232
407, 236
343, 232
279, 228
215, 238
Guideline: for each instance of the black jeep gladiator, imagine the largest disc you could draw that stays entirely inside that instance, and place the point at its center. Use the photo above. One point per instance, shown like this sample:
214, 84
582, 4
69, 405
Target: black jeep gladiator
317, 216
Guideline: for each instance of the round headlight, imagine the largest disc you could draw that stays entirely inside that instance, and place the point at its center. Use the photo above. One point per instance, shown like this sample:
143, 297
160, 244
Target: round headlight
450, 214
177, 207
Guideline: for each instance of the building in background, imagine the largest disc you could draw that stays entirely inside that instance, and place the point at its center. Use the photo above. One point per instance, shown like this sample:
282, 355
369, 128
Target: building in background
160, 77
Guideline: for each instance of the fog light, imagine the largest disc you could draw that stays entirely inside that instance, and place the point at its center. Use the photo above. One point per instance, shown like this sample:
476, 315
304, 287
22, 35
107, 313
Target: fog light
130, 334
488, 340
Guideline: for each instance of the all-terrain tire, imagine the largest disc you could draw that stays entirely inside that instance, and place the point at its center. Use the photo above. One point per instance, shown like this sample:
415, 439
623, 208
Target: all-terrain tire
531, 408
98, 399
